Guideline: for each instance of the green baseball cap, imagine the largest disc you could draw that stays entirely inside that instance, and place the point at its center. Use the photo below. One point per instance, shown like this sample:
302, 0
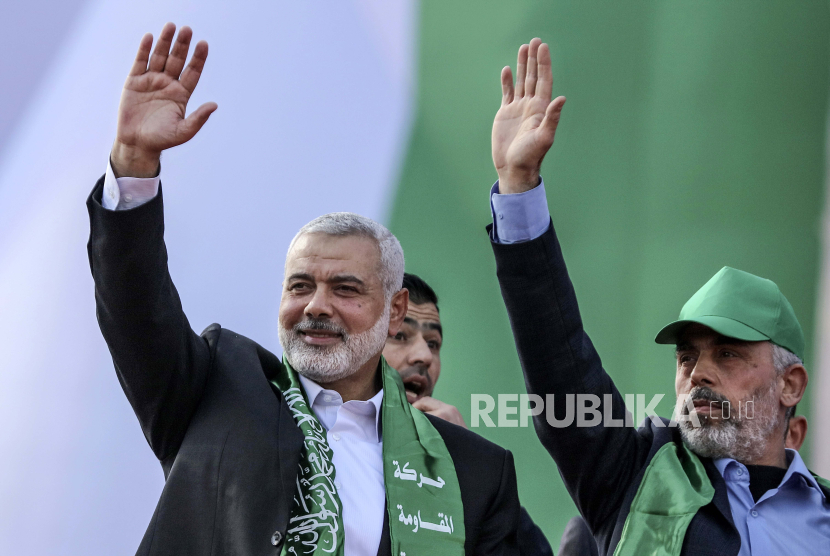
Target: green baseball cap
740, 305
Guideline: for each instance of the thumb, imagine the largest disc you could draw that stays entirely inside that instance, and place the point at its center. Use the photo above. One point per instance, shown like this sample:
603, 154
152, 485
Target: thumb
193, 123
547, 129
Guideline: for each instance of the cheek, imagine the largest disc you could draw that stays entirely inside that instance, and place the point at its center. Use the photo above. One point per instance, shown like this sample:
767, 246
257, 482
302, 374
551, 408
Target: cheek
681, 382
392, 353
435, 369
357, 316
291, 312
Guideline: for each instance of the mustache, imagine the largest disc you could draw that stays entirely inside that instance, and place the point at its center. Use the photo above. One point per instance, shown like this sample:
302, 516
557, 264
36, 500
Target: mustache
419, 370
705, 394
319, 324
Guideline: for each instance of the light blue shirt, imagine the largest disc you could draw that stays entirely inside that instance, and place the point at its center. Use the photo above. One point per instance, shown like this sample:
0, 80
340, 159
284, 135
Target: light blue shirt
793, 519
519, 216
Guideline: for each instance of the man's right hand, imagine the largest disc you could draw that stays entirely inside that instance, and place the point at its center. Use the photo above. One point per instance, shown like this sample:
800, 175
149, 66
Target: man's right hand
439, 409
151, 116
525, 125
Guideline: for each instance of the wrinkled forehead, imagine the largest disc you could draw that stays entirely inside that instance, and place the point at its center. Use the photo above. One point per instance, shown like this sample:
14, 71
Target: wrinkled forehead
323, 255
424, 316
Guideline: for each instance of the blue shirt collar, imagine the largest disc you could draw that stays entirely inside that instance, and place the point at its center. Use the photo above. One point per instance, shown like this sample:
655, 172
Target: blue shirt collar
797, 467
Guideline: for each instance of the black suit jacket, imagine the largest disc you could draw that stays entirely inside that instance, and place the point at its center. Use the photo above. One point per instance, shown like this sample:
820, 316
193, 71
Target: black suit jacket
602, 467
226, 440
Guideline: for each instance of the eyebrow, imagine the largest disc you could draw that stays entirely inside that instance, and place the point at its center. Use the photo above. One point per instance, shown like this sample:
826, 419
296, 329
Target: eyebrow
339, 278
720, 340
428, 326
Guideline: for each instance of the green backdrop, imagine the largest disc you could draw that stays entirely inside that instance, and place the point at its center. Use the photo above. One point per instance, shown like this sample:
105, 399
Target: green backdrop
693, 138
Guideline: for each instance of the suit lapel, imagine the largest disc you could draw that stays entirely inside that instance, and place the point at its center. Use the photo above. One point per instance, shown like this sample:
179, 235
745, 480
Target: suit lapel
385, 546
289, 437
721, 498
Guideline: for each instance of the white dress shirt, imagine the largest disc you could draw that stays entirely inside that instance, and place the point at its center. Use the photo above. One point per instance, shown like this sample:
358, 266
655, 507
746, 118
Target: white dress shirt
353, 428
354, 434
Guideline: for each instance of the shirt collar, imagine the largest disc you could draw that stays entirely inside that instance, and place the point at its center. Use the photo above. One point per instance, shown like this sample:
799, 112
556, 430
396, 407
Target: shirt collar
314, 390
796, 467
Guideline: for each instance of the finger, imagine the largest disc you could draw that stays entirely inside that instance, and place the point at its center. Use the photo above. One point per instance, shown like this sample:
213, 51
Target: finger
521, 70
426, 404
506, 85
547, 129
143, 54
162, 47
193, 123
544, 87
191, 74
532, 69
411, 397
178, 56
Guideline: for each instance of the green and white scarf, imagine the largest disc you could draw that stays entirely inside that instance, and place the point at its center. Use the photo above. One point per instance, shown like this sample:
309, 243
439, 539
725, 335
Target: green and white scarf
426, 515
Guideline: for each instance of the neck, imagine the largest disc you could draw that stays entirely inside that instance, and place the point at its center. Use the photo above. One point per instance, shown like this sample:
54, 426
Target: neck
361, 385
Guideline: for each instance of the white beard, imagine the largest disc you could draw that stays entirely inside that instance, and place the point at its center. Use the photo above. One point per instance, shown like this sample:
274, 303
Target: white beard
327, 364
738, 437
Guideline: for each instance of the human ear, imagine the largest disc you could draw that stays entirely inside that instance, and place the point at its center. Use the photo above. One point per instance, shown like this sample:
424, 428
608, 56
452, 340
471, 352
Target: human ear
795, 383
397, 310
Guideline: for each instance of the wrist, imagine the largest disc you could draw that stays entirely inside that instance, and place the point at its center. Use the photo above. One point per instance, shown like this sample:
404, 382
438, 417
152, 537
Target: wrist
133, 162
518, 181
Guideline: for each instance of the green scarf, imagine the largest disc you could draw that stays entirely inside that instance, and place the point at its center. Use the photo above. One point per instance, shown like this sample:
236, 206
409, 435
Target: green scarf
423, 498
674, 488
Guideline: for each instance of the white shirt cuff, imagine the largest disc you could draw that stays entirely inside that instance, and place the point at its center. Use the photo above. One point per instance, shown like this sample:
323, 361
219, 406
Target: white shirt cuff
127, 193
519, 217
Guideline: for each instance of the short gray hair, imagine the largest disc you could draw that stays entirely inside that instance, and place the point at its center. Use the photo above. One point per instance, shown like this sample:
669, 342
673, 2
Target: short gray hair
351, 224
783, 359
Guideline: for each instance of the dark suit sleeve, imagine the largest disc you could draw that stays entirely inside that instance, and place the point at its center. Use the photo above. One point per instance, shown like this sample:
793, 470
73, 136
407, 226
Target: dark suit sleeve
498, 534
577, 539
597, 463
532, 542
161, 363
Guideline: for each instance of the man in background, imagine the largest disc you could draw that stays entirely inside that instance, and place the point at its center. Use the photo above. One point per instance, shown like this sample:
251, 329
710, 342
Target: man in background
415, 352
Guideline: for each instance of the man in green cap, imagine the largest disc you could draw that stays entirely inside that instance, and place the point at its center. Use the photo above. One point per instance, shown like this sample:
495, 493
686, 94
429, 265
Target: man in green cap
721, 483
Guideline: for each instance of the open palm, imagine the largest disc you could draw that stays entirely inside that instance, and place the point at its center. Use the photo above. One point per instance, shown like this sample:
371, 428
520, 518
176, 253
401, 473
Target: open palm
525, 125
151, 116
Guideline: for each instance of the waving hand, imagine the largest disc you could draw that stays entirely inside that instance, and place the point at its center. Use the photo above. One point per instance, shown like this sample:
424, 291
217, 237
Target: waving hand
525, 125
151, 116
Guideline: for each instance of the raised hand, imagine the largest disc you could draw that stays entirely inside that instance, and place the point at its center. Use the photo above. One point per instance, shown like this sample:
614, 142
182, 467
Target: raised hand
526, 123
151, 116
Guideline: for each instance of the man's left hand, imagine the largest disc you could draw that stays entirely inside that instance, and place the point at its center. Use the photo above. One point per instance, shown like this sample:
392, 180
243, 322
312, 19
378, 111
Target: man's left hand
441, 410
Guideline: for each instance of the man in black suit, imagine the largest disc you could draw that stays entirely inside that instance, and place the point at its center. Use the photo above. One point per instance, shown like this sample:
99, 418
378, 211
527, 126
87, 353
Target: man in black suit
721, 482
260, 455
415, 352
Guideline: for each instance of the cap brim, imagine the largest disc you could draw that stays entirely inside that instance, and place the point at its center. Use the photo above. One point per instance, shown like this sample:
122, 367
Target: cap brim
722, 325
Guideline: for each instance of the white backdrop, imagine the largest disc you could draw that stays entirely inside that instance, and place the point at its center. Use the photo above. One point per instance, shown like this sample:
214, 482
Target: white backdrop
314, 102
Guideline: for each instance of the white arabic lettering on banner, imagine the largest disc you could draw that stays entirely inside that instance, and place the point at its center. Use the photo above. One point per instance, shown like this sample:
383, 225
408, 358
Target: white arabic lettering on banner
445, 524
407, 474
314, 483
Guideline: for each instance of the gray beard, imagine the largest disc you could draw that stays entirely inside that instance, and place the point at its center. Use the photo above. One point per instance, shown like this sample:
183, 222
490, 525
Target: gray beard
739, 437
328, 364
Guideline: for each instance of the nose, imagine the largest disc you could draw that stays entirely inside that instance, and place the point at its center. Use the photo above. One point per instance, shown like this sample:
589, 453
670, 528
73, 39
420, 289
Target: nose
319, 306
704, 372
420, 353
